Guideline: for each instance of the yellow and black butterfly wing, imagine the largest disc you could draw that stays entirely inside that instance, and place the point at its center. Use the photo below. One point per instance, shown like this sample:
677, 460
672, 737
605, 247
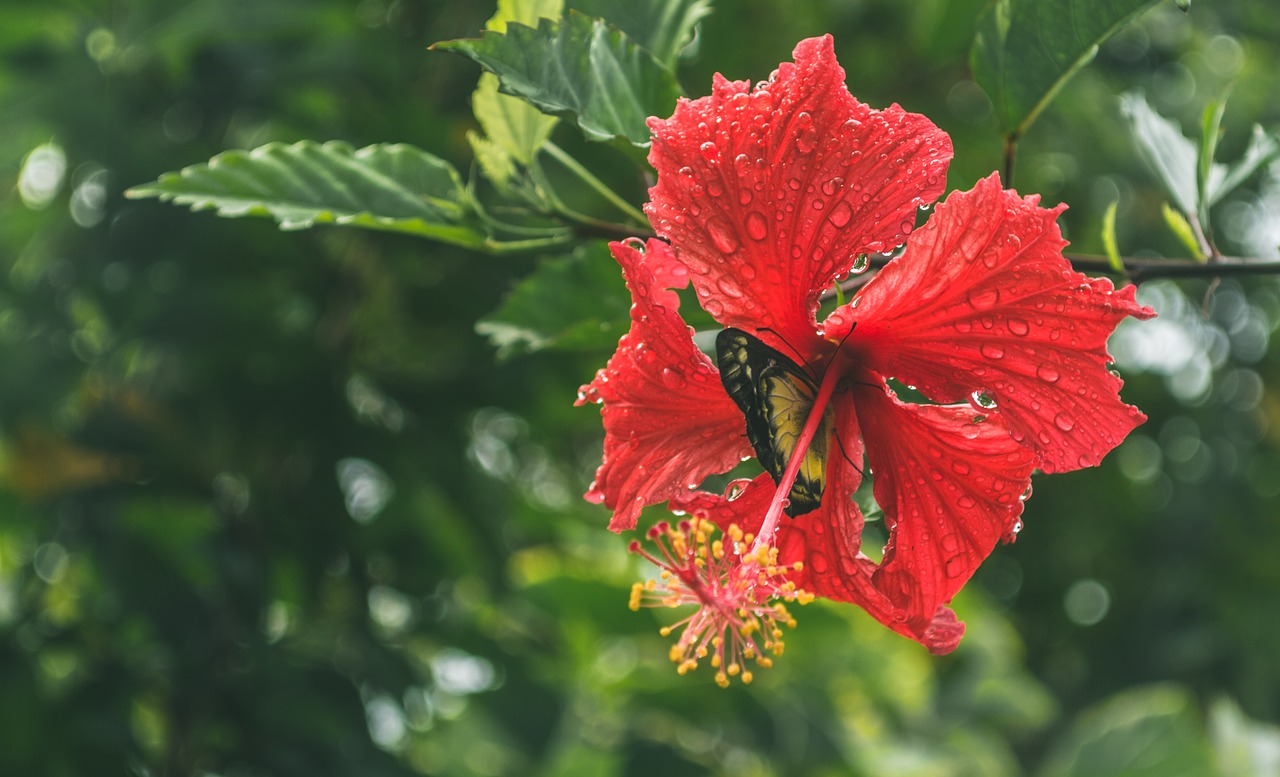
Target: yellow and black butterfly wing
776, 395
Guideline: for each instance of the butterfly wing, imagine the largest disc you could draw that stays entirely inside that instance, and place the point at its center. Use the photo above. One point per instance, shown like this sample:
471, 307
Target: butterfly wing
776, 396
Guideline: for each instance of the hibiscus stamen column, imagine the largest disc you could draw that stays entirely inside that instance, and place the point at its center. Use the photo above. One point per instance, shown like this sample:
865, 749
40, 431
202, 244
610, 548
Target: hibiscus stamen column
779, 502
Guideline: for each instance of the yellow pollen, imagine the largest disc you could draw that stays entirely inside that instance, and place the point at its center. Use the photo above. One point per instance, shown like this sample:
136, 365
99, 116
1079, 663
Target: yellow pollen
738, 591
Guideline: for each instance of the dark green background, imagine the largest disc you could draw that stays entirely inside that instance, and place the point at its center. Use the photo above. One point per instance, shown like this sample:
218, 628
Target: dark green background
270, 506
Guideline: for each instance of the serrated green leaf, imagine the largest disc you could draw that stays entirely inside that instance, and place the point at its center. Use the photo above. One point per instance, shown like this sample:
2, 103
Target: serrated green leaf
1109, 237
1145, 732
1026, 50
496, 164
1160, 143
512, 124
1181, 228
396, 188
664, 27
572, 302
512, 127
526, 12
579, 67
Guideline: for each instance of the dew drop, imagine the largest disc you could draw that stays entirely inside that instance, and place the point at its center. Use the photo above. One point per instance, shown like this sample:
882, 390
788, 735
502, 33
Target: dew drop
1064, 421
819, 563
984, 298
992, 351
955, 566
967, 502
841, 214
1048, 373
757, 227
722, 235
963, 327
860, 264
744, 196
709, 150
807, 135
1019, 327
715, 188
960, 467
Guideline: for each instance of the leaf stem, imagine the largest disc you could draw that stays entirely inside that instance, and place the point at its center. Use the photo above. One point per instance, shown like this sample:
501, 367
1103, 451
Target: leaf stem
1010, 156
627, 209
558, 206
1135, 269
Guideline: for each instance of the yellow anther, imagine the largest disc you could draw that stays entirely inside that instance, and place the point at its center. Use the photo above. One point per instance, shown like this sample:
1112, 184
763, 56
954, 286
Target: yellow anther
747, 677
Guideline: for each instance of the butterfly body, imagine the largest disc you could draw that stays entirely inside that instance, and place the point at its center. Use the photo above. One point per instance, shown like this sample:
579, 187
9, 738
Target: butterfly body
776, 395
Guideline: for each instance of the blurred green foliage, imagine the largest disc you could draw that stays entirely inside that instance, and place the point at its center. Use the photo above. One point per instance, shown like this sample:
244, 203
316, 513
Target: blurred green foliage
270, 506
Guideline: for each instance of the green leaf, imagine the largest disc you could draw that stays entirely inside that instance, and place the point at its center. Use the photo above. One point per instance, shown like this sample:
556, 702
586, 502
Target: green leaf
494, 160
397, 188
1025, 50
1146, 732
1160, 143
514, 130
578, 67
1263, 148
1109, 237
575, 302
1180, 227
1188, 173
1210, 131
664, 27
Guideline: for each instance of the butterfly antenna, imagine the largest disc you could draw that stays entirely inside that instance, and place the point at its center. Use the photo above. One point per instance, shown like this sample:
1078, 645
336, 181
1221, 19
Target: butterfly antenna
775, 333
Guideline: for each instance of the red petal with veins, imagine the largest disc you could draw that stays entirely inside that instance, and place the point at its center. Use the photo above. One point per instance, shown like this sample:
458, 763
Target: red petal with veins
828, 541
982, 301
668, 422
768, 194
950, 487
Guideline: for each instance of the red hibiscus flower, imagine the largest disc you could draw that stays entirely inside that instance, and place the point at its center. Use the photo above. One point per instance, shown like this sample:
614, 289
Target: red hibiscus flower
766, 197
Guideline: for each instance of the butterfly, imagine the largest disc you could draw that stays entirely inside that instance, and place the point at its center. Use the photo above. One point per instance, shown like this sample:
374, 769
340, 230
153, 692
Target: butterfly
776, 395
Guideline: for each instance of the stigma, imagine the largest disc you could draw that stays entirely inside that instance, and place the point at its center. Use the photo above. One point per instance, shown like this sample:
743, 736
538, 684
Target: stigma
739, 589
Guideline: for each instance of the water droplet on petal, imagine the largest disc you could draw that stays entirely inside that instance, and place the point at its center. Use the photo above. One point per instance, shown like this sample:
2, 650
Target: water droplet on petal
992, 351
1048, 373
841, 214
709, 150
722, 235
1064, 421
984, 297
757, 227
1019, 327
860, 264
807, 135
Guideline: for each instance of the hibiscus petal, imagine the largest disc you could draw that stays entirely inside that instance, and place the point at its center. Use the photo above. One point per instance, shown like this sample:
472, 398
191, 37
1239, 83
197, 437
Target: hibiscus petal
827, 541
668, 422
768, 195
950, 487
982, 301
